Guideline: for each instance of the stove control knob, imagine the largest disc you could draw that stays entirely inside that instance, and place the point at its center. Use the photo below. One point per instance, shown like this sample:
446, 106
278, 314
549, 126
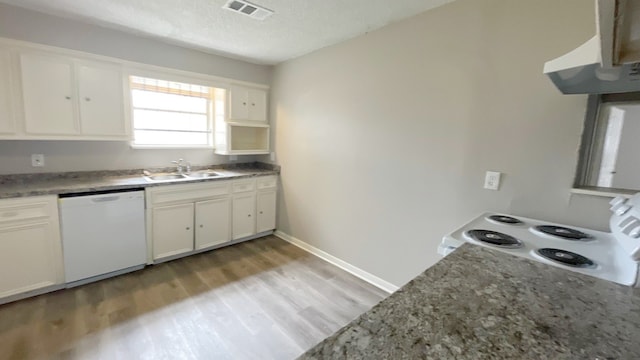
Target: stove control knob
635, 233
617, 201
621, 210
628, 224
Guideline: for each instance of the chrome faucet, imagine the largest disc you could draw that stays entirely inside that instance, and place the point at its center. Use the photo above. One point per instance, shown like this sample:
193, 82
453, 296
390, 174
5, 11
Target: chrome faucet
182, 165
179, 164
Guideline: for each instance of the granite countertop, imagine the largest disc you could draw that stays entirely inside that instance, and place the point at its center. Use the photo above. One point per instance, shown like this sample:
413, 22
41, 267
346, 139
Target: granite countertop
478, 303
21, 185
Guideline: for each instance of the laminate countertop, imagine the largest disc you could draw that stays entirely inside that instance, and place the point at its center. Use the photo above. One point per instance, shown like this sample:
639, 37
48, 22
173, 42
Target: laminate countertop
478, 303
20, 185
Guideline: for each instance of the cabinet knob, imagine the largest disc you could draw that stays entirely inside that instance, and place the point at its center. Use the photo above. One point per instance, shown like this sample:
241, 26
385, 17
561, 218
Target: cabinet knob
68, 97
244, 103
87, 99
253, 104
201, 225
188, 228
249, 215
260, 212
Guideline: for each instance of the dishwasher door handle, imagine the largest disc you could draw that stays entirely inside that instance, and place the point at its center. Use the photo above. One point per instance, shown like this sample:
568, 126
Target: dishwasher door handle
106, 198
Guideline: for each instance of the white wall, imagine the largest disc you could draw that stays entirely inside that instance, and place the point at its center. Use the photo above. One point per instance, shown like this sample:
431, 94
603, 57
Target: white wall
26, 25
384, 139
15, 156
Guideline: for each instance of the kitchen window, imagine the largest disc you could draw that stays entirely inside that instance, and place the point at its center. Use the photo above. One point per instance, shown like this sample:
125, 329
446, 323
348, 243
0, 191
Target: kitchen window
170, 114
610, 146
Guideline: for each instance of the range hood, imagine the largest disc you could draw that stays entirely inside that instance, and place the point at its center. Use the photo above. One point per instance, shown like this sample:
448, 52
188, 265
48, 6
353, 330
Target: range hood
610, 61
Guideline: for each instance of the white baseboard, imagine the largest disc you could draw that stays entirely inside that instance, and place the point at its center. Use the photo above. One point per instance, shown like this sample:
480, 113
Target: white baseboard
356, 271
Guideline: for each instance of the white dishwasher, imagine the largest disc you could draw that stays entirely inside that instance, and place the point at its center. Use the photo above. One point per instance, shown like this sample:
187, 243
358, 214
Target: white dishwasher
103, 235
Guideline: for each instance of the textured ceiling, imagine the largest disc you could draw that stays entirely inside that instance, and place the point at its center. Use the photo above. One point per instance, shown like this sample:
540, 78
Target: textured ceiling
297, 27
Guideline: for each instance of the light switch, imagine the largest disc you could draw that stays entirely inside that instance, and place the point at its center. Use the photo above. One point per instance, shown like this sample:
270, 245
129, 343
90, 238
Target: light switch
492, 180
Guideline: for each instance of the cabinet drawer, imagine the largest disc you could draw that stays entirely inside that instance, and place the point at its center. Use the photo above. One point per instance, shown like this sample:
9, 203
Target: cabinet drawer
244, 186
267, 182
192, 192
19, 210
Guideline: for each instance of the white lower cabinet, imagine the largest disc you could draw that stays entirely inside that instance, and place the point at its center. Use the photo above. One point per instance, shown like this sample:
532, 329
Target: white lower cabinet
266, 203
30, 246
212, 222
254, 206
172, 230
184, 218
244, 215
266, 210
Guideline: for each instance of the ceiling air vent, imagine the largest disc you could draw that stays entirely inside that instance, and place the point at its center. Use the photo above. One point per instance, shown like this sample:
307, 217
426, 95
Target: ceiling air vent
249, 9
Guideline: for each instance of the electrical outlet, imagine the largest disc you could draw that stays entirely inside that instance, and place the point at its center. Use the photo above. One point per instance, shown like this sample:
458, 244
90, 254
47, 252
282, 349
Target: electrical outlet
37, 160
492, 180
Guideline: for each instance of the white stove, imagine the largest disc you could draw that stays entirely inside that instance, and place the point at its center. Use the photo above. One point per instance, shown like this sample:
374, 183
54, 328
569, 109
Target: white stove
611, 255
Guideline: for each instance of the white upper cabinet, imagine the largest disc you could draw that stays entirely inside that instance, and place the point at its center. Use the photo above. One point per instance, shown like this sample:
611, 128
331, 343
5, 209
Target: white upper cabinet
7, 116
247, 104
68, 97
48, 95
101, 99
242, 139
246, 131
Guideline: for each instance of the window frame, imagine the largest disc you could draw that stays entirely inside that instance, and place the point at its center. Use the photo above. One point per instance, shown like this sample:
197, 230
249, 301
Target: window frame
589, 158
176, 77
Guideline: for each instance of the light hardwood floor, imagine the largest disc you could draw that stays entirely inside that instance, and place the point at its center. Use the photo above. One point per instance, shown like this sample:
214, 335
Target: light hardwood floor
262, 299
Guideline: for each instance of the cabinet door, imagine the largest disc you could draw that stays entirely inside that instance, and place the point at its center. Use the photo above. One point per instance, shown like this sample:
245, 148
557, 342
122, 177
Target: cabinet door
238, 103
172, 230
244, 208
266, 207
101, 100
247, 104
7, 122
28, 257
213, 220
48, 95
257, 105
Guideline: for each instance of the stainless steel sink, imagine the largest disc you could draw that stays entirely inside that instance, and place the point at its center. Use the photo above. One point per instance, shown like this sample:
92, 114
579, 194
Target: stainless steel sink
203, 174
162, 177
